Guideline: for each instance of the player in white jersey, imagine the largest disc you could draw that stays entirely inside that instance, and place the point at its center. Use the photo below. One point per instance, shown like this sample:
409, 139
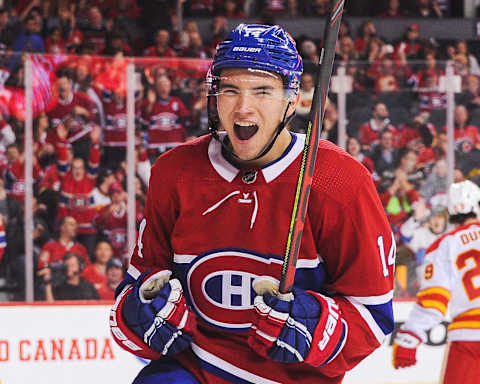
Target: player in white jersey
451, 276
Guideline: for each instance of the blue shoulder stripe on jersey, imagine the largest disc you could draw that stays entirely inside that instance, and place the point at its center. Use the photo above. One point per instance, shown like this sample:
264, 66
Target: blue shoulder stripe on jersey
311, 279
383, 316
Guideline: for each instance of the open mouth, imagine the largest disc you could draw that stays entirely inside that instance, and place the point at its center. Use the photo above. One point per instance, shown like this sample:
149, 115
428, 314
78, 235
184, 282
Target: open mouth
245, 132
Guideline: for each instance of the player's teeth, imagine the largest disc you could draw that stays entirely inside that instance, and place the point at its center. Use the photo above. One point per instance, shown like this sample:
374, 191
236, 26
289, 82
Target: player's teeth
244, 124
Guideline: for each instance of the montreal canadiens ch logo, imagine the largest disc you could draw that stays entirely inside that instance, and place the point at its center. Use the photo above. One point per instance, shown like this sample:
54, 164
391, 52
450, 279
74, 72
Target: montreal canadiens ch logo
220, 285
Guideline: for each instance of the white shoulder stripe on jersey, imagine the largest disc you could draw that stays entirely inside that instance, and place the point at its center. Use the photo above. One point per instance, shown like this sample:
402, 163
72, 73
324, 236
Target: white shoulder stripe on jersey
302, 263
374, 300
367, 316
227, 367
308, 263
134, 272
274, 170
183, 259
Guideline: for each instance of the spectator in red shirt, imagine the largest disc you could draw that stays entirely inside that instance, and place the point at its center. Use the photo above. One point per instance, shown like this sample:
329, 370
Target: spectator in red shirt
95, 273
410, 47
55, 43
195, 48
114, 271
354, 149
122, 8
417, 134
319, 8
95, 32
386, 73
393, 11
346, 52
77, 185
369, 132
462, 127
165, 117
162, 45
14, 175
76, 112
366, 33
218, 32
233, 9
112, 221
427, 8
54, 250
429, 96
117, 44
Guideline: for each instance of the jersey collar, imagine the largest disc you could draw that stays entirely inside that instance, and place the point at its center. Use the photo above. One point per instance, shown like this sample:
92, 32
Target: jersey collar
270, 171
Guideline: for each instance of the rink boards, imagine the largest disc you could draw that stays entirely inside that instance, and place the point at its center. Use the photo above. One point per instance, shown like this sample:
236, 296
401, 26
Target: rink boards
70, 343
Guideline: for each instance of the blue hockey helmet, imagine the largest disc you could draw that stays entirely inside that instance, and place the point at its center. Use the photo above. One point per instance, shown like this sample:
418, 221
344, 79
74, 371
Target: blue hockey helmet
262, 47
255, 47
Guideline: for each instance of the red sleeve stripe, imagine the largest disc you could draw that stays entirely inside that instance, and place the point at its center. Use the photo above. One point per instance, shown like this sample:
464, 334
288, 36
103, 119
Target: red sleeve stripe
435, 291
473, 315
435, 297
464, 325
472, 312
433, 304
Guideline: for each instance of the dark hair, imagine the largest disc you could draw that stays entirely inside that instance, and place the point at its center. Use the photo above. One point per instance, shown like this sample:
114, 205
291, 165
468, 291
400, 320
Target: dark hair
461, 217
69, 255
103, 240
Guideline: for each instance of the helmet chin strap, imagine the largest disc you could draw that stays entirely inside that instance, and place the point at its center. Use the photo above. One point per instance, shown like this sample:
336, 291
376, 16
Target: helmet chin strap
227, 149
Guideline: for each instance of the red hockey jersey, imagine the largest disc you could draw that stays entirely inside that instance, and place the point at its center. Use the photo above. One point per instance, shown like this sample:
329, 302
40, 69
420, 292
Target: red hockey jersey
164, 121
115, 132
64, 112
53, 251
114, 226
218, 227
15, 178
76, 196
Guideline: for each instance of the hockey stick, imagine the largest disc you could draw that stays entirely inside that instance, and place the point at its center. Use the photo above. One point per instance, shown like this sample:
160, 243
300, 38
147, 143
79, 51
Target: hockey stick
314, 128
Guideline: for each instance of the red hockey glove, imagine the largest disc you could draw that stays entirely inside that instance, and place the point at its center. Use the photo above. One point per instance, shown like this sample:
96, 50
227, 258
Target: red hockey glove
151, 318
405, 347
307, 328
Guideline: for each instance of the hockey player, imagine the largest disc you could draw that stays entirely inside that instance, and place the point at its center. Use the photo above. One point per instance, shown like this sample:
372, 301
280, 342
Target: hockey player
216, 220
450, 272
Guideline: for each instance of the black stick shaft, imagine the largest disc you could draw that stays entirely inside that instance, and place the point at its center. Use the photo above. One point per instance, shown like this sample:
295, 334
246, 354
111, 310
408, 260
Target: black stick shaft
314, 128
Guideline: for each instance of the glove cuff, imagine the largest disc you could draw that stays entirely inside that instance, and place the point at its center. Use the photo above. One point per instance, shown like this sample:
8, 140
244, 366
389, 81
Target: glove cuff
407, 339
330, 334
123, 336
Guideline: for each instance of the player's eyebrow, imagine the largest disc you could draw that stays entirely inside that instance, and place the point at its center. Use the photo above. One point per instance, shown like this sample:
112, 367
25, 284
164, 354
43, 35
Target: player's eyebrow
264, 87
228, 85
259, 88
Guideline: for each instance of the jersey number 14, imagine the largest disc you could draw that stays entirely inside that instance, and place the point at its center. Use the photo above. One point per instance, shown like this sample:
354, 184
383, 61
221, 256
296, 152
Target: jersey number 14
390, 260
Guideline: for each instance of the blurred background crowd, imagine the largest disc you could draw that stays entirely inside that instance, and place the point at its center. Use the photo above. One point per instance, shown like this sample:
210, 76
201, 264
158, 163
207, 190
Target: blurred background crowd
396, 120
